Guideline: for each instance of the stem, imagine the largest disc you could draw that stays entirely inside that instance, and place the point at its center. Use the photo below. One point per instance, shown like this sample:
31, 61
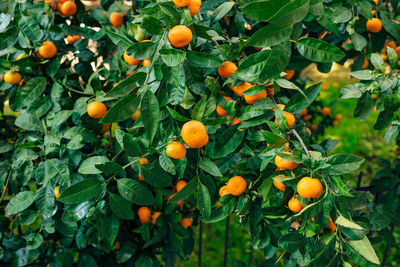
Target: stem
200, 241
5, 188
293, 131
226, 241
136, 160
386, 254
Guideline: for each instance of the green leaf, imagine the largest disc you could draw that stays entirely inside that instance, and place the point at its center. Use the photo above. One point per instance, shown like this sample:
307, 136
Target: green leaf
291, 242
88, 165
199, 108
123, 109
56, 171
141, 50
342, 163
263, 10
347, 223
228, 142
204, 201
109, 168
45, 201
82, 191
363, 74
221, 11
186, 192
352, 91
135, 192
150, 112
126, 86
377, 61
393, 58
364, 107
204, 60
117, 39
365, 249
341, 14
172, 57
20, 202
209, 166
291, 13
299, 102
359, 41
120, 207
318, 50
176, 115
274, 140
30, 28
155, 176
28, 122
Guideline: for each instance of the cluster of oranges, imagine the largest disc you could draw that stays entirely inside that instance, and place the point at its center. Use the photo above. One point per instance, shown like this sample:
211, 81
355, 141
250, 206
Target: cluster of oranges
65, 7
235, 187
192, 5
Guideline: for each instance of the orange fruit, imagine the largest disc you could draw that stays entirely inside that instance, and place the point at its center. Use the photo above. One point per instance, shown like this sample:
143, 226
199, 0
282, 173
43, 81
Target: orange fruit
236, 185
194, 134
12, 77
47, 50
397, 50
251, 99
117, 245
373, 12
116, 19
220, 110
223, 191
143, 161
236, 121
227, 69
309, 131
335, 123
68, 8
289, 118
194, 7
391, 44
186, 222
176, 150
289, 75
284, 164
295, 205
326, 111
314, 126
280, 106
135, 116
180, 202
365, 64
56, 191
96, 110
131, 60
146, 62
180, 36
106, 127
280, 185
73, 39
338, 117
241, 88
180, 185
374, 25
181, 3
331, 225
304, 112
309, 187
307, 117
154, 217
141, 178
144, 214
376, 2
61, 1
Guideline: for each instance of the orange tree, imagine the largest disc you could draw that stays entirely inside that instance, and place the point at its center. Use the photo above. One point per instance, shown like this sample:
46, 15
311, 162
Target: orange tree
135, 122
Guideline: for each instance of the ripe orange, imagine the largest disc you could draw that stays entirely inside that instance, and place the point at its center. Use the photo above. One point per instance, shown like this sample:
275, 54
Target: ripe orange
194, 134
280, 185
116, 19
304, 112
227, 69
289, 75
284, 164
194, 7
73, 39
307, 117
131, 60
56, 191
154, 217
241, 88
309, 187
96, 110
373, 12
180, 184
141, 178
397, 50
223, 191
289, 118
143, 161
374, 25
338, 117
176, 150
236, 185
376, 2
331, 225
181, 3
12, 77
365, 64
68, 8
251, 99
180, 202
280, 106
47, 50
146, 62
144, 214
391, 44
180, 36
135, 116
326, 111
236, 121
220, 110
186, 222
314, 126
295, 205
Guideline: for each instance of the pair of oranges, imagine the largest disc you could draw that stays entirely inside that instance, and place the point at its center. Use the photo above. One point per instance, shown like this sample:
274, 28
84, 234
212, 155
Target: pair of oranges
235, 186
65, 7
131, 61
145, 215
193, 5
307, 187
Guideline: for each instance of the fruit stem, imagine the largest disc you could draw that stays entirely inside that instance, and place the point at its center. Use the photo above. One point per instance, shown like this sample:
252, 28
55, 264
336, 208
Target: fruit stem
293, 131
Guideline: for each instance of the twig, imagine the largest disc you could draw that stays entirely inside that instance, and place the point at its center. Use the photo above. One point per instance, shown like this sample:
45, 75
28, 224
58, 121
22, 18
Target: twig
293, 131
360, 175
200, 242
386, 254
